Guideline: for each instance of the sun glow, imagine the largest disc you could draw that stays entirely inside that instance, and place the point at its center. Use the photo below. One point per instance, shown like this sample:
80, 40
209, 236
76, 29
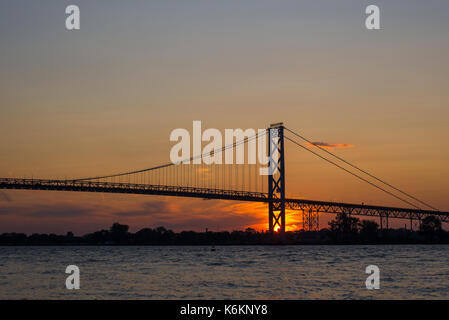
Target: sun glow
276, 229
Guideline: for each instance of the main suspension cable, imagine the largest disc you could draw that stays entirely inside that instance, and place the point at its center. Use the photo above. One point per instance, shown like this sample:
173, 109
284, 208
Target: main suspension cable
363, 171
352, 173
235, 144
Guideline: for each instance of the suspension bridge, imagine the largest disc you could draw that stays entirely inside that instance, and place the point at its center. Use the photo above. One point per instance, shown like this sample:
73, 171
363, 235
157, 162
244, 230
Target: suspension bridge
242, 182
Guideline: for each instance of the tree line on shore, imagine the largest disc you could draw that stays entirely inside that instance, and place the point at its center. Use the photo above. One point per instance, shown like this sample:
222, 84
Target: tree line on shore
344, 229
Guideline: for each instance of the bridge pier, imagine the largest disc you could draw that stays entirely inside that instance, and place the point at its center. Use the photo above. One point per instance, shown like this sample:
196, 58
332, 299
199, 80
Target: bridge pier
310, 220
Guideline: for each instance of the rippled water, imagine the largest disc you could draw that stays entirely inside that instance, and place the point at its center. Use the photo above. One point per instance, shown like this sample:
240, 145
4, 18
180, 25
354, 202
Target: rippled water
238, 272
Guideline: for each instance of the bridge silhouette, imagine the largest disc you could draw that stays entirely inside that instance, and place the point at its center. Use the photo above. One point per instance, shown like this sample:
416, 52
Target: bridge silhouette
234, 182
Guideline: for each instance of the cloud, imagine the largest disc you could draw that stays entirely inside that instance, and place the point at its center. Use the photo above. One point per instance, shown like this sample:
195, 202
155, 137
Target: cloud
42, 212
326, 145
153, 208
193, 214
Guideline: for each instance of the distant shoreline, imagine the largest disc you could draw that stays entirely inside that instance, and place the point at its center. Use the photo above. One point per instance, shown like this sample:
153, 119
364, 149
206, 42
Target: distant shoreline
344, 230
223, 245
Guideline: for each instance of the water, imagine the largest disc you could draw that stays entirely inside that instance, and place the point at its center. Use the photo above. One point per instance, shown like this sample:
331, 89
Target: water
237, 272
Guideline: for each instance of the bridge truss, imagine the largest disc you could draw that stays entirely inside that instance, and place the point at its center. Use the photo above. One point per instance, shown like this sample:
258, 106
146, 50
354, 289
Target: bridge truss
210, 193
220, 181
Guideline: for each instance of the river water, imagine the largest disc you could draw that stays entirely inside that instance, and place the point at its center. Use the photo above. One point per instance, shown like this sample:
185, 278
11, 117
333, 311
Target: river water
230, 272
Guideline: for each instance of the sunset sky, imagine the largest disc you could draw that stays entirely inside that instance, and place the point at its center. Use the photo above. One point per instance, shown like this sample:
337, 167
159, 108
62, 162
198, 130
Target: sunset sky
105, 98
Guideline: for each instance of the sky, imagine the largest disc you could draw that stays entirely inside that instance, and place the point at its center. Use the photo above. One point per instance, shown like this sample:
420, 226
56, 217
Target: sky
104, 99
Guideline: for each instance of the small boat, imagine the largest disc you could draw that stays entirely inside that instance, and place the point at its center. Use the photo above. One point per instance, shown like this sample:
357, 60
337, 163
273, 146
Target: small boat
213, 248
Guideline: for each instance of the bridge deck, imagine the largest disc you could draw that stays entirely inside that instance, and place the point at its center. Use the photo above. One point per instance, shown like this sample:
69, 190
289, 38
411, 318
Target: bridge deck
206, 193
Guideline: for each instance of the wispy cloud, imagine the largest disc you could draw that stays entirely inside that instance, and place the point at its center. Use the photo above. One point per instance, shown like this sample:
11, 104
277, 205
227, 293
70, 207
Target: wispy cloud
84, 213
326, 145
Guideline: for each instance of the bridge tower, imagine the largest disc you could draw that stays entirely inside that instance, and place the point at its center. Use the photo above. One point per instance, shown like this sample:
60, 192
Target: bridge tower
276, 179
